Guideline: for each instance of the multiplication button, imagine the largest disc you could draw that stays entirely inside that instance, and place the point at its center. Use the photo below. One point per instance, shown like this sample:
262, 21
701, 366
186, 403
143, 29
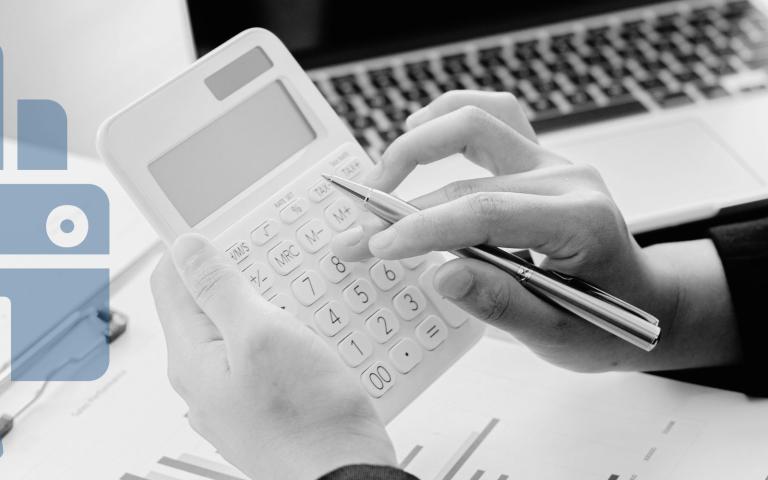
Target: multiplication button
285, 257
405, 355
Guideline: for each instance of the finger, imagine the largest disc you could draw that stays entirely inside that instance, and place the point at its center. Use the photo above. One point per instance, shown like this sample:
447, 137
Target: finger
478, 135
497, 298
512, 220
502, 105
185, 326
557, 180
219, 289
352, 245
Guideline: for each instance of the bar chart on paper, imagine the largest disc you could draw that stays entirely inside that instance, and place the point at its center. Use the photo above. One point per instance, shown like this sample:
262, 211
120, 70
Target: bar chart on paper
502, 414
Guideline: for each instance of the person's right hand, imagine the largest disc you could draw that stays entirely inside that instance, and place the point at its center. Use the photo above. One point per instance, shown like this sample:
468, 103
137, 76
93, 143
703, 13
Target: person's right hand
536, 200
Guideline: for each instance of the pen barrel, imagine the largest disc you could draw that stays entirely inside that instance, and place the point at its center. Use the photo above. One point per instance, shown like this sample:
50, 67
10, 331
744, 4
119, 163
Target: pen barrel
576, 296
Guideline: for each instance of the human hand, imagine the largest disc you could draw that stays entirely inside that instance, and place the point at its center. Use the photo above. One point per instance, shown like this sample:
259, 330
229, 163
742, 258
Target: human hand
266, 391
536, 200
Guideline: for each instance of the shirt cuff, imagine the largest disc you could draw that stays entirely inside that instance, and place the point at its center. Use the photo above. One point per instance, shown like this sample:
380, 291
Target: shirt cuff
743, 250
368, 472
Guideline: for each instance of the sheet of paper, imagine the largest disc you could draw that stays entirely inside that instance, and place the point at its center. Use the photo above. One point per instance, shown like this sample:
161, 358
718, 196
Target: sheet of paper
499, 411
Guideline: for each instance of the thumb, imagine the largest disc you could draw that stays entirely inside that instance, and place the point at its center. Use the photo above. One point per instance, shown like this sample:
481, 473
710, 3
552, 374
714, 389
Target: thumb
497, 298
217, 286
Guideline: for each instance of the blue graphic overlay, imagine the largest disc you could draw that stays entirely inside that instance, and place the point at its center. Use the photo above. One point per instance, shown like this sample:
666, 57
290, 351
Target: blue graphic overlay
42, 135
53, 335
51, 218
58, 330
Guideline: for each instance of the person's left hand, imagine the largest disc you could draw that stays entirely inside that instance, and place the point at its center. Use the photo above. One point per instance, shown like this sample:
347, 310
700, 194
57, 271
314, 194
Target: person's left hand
266, 391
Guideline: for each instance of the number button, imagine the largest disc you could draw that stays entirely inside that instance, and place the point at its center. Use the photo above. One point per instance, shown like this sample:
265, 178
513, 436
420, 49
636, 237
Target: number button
431, 332
360, 295
320, 191
294, 210
413, 262
313, 236
409, 303
333, 268
265, 232
386, 274
382, 325
341, 214
332, 318
355, 348
405, 355
453, 315
285, 302
308, 287
261, 277
377, 379
285, 257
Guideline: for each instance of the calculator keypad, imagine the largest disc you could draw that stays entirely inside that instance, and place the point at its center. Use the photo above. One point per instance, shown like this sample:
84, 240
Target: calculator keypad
382, 316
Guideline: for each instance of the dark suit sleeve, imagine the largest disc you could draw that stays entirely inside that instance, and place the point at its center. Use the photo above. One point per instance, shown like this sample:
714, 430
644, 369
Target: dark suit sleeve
743, 249
368, 472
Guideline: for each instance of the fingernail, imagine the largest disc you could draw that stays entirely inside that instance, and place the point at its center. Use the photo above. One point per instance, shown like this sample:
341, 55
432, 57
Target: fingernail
383, 239
352, 236
416, 118
453, 283
188, 247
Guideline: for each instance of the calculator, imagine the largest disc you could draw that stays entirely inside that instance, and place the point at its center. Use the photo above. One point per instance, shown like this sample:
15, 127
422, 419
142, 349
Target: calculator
234, 148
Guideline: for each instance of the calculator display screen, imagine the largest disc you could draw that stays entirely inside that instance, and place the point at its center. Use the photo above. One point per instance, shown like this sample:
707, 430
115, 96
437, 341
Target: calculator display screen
230, 154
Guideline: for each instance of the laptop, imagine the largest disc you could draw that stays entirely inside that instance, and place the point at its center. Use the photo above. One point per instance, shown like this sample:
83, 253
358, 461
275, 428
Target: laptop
668, 100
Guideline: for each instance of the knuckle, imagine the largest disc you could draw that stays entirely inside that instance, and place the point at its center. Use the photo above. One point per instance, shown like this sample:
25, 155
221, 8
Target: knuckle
459, 189
509, 99
487, 205
473, 115
207, 277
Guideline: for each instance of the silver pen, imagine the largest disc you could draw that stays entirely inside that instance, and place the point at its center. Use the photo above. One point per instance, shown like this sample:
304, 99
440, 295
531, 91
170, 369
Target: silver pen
576, 296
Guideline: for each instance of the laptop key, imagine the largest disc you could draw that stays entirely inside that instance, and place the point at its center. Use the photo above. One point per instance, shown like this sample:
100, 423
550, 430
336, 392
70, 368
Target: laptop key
583, 117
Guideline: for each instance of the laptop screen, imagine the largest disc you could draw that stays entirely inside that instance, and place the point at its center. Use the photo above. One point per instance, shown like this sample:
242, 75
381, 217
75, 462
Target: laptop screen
323, 32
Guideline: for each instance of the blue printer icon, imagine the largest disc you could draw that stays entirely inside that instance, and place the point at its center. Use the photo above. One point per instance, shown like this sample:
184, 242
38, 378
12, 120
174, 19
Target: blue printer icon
54, 230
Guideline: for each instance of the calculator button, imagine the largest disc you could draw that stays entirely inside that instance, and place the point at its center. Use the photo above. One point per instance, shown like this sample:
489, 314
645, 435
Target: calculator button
308, 287
386, 274
341, 214
453, 315
320, 191
285, 257
431, 332
413, 262
333, 268
377, 379
313, 235
383, 325
360, 295
265, 232
405, 355
239, 253
350, 169
355, 348
332, 318
286, 302
409, 303
295, 210
261, 277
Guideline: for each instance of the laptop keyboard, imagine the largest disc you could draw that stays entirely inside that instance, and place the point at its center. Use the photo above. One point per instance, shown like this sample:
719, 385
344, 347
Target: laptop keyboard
588, 74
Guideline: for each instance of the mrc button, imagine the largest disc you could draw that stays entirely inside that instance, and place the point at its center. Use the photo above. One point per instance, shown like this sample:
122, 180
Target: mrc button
285, 257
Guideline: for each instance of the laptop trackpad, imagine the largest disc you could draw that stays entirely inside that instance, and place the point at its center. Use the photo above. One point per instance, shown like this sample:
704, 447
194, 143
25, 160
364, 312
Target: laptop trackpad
652, 170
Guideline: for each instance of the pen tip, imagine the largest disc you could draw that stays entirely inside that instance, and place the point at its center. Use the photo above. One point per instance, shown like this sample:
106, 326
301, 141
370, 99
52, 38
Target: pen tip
328, 177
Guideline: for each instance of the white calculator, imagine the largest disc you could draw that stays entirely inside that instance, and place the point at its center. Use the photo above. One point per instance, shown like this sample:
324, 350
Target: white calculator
234, 148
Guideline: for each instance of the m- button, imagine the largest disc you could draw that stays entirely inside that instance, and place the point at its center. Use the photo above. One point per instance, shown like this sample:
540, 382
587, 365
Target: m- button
285, 257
